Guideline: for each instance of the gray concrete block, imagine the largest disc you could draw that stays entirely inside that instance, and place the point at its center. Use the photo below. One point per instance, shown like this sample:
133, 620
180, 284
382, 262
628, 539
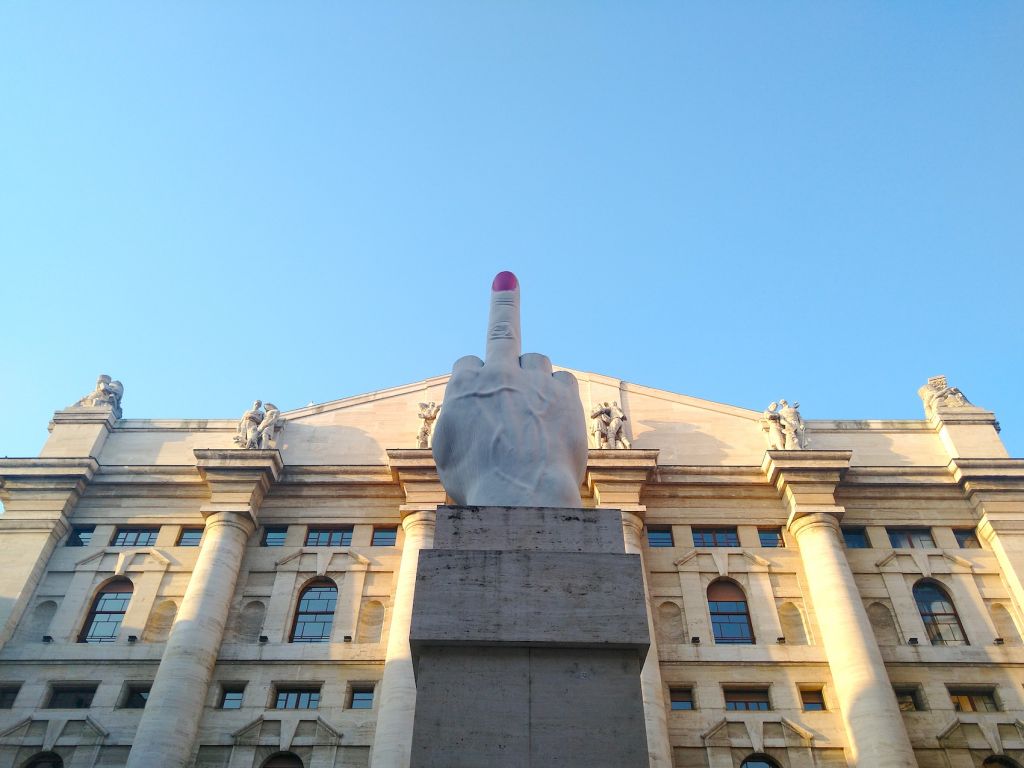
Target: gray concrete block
529, 598
529, 528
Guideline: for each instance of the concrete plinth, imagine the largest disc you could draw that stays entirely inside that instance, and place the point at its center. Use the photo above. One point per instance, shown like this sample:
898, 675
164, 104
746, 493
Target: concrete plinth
528, 634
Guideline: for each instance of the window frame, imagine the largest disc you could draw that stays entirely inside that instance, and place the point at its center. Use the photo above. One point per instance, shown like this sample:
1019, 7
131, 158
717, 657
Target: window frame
388, 531
312, 690
59, 689
814, 692
848, 531
132, 690
75, 537
965, 535
231, 689
685, 693
9, 694
273, 530
935, 622
660, 537
100, 609
326, 617
361, 690
971, 694
190, 529
135, 531
715, 610
909, 534
755, 693
344, 535
721, 536
780, 540
915, 694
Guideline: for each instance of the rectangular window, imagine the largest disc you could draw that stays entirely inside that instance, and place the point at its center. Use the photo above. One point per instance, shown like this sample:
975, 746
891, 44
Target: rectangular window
747, 700
715, 537
770, 537
190, 537
659, 536
362, 697
911, 538
329, 537
81, 536
681, 698
909, 698
384, 536
967, 538
297, 697
71, 696
973, 699
813, 700
135, 537
855, 538
274, 535
136, 696
8, 693
231, 696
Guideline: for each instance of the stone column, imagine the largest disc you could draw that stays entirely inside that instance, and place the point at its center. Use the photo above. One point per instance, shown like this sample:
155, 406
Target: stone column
38, 496
414, 470
238, 480
616, 478
876, 737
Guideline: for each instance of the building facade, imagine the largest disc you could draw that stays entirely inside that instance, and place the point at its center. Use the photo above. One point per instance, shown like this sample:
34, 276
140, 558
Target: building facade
183, 592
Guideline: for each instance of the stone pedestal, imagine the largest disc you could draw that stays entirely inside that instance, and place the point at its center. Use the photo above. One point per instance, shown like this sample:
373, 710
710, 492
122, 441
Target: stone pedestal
529, 630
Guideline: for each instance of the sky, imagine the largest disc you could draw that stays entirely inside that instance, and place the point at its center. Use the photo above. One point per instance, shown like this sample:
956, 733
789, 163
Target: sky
299, 202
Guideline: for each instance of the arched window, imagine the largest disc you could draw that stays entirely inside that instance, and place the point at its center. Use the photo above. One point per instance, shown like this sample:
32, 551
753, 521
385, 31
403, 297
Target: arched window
108, 609
45, 760
282, 760
938, 614
759, 761
999, 761
315, 615
730, 618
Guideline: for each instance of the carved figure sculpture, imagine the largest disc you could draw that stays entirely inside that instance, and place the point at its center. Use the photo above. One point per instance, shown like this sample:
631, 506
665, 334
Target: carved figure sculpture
428, 413
248, 426
512, 433
272, 421
108, 394
609, 425
938, 394
771, 422
793, 428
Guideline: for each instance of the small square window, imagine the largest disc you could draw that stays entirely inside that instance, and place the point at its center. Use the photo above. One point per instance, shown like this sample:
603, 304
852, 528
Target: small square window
71, 696
911, 538
135, 537
231, 696
384, 537
908, 698
974, 699
681, 698
659, 536
715, 537
362, 697
190, 537
136, 696
813, 700
770, 537
329, 537
297, 697
81, 536
8, 693
274, 535
967, 538
855, 538
747, 700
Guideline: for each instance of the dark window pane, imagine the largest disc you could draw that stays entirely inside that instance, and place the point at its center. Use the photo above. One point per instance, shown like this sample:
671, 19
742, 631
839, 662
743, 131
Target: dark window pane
232, 697
8, 693
384, 537
855, 538
967, 538
315, 614
681, 698
747, 700
973, 699
190, 537
71, 697
274, 536
81, 536
909, 699
135, 537
137, 697
297, 698
715, 537
329, 537
659, 537
108, 609
911, 538
813, 701
939, 615
770, 537
362, 698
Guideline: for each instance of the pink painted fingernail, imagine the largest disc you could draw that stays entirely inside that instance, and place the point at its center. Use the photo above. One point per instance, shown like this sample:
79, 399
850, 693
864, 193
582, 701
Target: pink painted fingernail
504, 281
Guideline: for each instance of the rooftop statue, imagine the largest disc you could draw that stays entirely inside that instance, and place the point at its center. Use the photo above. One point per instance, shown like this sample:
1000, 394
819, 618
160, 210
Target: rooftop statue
512, 432
108, 394
428, 413
609, 425
938, 394
784, 427
258, 425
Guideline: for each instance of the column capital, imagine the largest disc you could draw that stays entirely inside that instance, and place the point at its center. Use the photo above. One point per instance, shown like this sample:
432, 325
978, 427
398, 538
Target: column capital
238, 478
617, 477
807, 480
43, 488
415, 471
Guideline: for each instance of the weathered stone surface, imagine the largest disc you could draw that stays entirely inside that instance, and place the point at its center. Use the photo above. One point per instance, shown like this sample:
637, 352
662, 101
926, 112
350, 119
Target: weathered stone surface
539, 528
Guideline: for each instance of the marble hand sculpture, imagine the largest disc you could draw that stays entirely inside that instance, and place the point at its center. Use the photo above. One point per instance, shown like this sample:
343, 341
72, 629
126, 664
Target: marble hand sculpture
512, 433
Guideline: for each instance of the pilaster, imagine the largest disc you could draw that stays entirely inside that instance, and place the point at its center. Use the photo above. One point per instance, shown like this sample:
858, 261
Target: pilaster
38, 496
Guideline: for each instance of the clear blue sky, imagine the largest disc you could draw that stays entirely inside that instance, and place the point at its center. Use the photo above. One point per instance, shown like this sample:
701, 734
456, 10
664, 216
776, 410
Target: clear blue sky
303, 201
